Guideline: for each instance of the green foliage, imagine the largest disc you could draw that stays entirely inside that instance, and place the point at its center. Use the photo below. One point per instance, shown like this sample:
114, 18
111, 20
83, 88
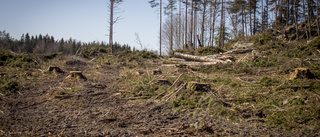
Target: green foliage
8, 85
266, 81
92, 51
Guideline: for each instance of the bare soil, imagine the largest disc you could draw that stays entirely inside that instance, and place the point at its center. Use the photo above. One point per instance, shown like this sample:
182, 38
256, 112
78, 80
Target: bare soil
94, 107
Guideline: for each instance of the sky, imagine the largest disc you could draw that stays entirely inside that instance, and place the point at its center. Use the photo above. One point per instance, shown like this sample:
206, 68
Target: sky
83, 20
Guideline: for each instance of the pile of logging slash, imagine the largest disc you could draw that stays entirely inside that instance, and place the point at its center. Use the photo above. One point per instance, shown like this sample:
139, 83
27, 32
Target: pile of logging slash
192, 60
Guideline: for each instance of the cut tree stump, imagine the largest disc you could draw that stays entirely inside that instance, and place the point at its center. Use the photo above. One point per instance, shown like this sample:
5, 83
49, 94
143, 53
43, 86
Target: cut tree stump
55, 69
76, 74
197, 86
302, 73
157, 72
163, 82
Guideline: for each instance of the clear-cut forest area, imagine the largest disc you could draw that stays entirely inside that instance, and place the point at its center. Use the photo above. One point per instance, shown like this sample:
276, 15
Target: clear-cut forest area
256, 77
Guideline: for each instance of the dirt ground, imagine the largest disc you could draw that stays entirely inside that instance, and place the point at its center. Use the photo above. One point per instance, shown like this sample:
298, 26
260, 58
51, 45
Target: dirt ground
50, 107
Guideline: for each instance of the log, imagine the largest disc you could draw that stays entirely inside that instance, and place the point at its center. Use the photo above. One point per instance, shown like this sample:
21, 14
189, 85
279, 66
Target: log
212, 58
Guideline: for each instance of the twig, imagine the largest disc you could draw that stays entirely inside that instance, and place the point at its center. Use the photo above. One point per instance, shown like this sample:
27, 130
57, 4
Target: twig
213, 92
134, 98
169, 87
181, 87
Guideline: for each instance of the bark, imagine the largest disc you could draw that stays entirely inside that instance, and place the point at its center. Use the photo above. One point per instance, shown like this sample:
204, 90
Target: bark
267, 20
254, 18
221, 40
213, 21
171, 29
317, 18
309, 20
111, 26
203, 21
276, 14
160, 26
262, 15
288, 12
186, 26
179, 32
191, 25
250, 9
304, 18
296, 20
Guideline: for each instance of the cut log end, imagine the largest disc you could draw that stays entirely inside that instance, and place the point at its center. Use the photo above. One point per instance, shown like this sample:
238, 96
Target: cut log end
76, 74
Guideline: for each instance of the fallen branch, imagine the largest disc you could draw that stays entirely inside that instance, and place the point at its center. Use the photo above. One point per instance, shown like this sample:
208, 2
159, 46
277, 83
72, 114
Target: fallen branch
134, 98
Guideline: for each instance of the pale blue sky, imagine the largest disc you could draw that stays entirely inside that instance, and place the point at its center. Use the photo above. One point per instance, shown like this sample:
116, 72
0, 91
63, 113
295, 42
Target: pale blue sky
83, 20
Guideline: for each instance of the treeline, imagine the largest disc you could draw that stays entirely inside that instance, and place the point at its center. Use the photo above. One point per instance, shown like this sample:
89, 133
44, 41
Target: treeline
41, 44
198, 23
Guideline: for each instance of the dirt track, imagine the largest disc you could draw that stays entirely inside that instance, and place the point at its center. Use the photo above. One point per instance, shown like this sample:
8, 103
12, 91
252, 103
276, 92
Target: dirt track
97, 109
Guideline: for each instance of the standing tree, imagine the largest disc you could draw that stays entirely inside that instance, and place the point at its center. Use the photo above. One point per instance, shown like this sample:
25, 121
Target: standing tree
112, 6
153, 4
222, 26
317, 18
169, 11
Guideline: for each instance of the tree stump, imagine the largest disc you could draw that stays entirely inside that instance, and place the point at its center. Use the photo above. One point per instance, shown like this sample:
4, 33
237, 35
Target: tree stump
302, 73
76, 74
55, 69
196, 86
157, 72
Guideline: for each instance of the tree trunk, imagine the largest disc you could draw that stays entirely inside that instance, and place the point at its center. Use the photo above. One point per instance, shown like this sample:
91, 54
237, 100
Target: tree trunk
171, 29
309, 18
111, 26
160, 26
221, 40
288, 12
203, 21
276, 14
254, 18
179, 31
195, 28
250, 9
296, 19
267, 19
262, 15
317, 18
243, 23
186, 26
210, 22
191, 26
213, 21
304, 18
